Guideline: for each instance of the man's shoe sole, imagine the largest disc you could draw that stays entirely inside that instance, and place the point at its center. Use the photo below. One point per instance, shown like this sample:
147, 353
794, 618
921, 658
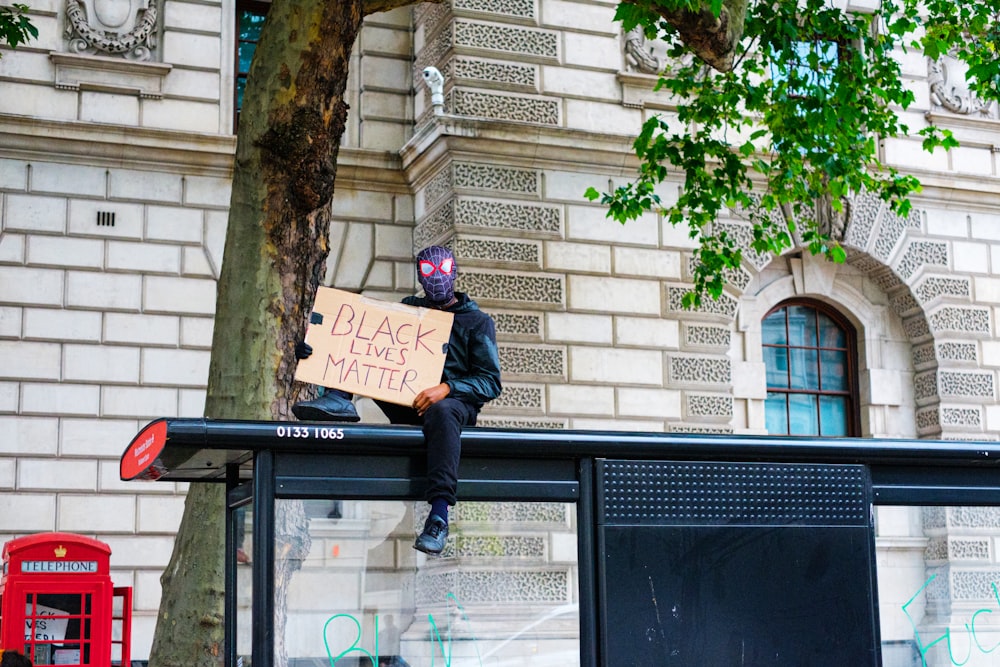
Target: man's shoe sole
311, 414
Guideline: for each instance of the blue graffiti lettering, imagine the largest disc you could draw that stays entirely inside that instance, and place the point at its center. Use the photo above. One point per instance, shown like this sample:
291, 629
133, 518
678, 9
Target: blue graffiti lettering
947, 637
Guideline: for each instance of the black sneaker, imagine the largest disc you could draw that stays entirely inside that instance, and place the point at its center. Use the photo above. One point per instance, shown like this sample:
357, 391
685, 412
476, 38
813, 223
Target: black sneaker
333, 406
435, 534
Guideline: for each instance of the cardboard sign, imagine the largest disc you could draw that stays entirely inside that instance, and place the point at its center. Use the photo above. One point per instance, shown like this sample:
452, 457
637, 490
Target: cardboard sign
388, 351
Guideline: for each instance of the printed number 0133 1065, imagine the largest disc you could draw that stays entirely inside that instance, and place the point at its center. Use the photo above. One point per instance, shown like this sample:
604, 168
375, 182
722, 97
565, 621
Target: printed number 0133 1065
315, 432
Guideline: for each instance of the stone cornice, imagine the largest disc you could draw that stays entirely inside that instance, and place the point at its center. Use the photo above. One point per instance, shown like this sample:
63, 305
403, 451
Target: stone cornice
97, 144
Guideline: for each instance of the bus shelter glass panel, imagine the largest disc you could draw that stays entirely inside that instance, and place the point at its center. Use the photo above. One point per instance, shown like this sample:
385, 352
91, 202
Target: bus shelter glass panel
503, 592
244, 584
938, 574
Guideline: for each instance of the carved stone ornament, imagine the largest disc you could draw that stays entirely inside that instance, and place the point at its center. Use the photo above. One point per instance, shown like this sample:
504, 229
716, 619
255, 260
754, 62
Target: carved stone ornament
638, 56
115, 27
946, 78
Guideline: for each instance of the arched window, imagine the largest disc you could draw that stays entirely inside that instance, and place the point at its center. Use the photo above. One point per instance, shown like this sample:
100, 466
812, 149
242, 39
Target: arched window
810, 352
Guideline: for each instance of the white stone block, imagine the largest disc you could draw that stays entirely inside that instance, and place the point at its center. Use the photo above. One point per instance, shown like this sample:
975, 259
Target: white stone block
646, 262
185, 368
902, 153
101, 107
590, 223
564, 548
596, 51
39, 101
378, 135
618, 424
60, 399
614, 366
195, 262
614, 295
386, 106
8, 473
986, 290
638, 402
602, 117
579, 16
182, 48
647, 332
187, 115
189, 16
9, 396
566, 399
105, 514
573, 328
943, 222
62, 325
139, 402
105, 291
576, 257
194, 85
101, 363
990, 353
28, 435
146, 594
972, 160
96, 437
59, 251
207, 191
22, 360
386, 73
12, 248
35, 213
13, 174
970, 257
571, 186
144, 257
84, 217
385, 41
216, 223
10, 321
678, 237
197, 332
393, 242
141, 329
69, 179
27, 512
350, 204
57, 474
992, 417
168, 223
179, 295
985, 227
42, 287
25, 65
884, 386
145, 185
191, 403
159, 514
354, 265
749, 379
580, 83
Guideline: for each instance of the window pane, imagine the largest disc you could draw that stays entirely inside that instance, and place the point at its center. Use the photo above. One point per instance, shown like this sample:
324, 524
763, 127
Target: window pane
772, 329
250, 26
834, 375
362, 596
776, 362
805, 369
830, 333
802, 326
246, 56
833, 416
776, 413
802, 414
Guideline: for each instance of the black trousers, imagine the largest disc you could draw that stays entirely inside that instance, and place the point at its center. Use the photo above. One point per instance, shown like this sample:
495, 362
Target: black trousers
442, 424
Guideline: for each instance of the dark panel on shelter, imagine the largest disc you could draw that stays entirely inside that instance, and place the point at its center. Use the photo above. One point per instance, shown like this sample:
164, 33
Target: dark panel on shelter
735, 564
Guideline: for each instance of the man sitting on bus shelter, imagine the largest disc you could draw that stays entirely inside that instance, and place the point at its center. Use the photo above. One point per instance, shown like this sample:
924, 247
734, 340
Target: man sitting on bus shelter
471, 377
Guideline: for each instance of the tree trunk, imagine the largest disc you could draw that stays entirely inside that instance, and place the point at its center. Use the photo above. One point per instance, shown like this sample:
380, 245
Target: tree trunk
712, 38
276, 248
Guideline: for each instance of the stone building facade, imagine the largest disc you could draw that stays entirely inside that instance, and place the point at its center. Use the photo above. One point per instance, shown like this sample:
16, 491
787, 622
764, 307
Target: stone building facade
115, 161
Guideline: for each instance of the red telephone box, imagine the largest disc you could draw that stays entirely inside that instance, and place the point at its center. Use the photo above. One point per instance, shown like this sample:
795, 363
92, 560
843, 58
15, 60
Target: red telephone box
58, 605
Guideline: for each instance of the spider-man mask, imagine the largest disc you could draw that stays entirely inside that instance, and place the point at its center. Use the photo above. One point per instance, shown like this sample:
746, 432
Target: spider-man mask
436, 272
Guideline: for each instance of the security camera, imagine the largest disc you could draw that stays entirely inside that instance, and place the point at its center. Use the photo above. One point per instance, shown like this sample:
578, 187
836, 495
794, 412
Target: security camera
435, 81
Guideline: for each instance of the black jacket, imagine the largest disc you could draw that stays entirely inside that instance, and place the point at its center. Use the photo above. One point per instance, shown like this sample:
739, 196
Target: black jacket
472, 366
